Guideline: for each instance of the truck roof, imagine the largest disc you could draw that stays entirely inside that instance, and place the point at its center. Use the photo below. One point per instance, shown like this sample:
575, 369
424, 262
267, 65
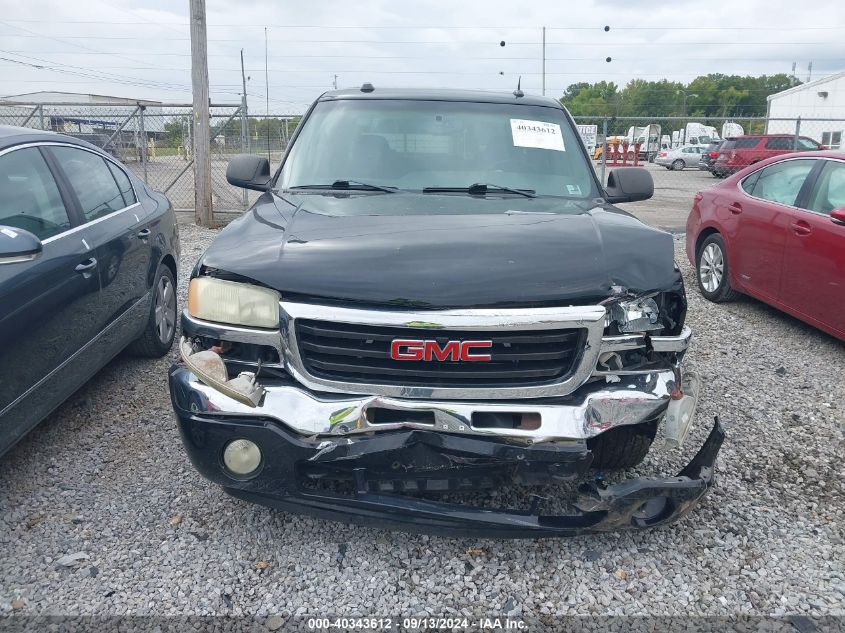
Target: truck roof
441, 94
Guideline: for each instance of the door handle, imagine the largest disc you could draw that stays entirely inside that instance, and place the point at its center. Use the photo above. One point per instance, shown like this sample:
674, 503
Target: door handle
87, 266
801, 228
144, 233
735, 208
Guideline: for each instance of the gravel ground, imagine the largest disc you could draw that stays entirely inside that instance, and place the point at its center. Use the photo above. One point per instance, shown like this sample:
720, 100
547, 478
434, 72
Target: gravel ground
104, 481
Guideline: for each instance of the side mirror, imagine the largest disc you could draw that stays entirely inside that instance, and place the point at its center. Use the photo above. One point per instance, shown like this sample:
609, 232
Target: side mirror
837, 216
17, 245
629, 184
249, 172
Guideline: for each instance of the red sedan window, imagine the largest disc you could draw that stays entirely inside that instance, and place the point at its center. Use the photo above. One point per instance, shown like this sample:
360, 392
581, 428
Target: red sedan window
782, 181
829, 193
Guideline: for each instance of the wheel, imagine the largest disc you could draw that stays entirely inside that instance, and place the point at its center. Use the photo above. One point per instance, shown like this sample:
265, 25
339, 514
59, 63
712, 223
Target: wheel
711, 264
622, 447
678, 165
161, 323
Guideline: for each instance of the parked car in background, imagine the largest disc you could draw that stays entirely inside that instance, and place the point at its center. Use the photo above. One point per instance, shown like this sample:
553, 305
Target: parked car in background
776, 231
87, 266
709, 155
680, 157
741, 151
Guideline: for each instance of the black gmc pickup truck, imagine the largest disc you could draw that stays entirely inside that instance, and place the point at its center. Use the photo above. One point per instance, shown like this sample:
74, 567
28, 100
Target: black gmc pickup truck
433, 293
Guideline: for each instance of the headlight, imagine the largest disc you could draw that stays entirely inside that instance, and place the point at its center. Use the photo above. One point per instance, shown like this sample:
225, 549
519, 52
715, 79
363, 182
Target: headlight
636, 315
233, 302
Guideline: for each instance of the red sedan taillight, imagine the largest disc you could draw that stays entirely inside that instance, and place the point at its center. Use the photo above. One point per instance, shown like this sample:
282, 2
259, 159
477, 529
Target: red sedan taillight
662, 154
714, 154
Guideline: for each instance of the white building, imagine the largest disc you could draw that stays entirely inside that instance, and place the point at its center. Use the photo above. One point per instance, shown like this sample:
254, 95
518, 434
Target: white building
820, 99
78, 113
76, 97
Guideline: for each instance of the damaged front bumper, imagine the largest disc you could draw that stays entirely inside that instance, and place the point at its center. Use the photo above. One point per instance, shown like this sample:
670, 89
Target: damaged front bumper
381, 474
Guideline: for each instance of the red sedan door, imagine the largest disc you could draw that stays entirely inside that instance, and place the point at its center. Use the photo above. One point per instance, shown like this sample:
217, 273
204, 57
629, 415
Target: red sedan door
763, 219
814, 258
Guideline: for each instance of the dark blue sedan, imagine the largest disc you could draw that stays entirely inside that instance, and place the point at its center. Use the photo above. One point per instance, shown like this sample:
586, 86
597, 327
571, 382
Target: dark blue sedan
87, 268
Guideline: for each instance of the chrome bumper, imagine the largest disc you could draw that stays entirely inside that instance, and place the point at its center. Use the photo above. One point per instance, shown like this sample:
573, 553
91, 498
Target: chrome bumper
590, 410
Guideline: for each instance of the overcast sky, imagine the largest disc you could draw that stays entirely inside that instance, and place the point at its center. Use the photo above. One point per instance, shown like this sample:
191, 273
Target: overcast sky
141, 48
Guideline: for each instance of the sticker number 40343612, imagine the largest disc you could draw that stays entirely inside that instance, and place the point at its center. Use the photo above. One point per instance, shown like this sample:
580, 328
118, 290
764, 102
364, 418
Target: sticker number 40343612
537, 134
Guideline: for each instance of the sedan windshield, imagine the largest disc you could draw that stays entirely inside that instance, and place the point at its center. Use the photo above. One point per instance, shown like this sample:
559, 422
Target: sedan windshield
440, 145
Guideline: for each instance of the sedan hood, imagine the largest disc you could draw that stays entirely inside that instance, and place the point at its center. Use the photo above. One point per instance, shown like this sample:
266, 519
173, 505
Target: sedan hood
439, 251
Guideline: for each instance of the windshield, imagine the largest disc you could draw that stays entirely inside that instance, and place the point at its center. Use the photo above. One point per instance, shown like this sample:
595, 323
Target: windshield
415, 145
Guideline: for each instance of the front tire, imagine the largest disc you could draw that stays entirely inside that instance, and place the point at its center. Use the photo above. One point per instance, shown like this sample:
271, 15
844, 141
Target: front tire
711, 265
160, 330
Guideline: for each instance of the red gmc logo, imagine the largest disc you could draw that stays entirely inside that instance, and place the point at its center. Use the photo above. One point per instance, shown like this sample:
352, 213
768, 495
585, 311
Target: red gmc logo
403, 349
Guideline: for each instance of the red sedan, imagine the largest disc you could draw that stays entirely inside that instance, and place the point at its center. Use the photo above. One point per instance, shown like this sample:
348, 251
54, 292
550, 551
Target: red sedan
776, 231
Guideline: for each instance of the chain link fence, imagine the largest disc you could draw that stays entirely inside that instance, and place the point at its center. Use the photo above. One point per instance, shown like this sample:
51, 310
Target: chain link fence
155, 141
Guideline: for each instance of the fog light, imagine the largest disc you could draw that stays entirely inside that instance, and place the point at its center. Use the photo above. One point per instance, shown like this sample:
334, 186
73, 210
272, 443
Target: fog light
242, 457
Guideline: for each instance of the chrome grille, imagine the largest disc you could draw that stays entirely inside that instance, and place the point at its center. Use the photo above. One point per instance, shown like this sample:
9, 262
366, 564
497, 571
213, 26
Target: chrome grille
360, 353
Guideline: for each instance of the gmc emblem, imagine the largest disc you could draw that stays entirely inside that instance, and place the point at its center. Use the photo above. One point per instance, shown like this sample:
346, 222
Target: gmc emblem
403, 349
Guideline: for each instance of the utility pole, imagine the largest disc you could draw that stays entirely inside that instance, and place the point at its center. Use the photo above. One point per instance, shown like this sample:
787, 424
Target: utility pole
267, 92
244, 110
544, 61
203, 211
334, 83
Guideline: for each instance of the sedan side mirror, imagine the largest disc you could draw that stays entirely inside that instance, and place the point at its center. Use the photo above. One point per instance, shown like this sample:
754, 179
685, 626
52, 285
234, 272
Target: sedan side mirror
629, 184
249, 172
837, 216
17, 245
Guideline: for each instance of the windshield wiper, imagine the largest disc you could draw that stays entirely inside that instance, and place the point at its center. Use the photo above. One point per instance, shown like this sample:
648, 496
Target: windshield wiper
480, 189
355, 185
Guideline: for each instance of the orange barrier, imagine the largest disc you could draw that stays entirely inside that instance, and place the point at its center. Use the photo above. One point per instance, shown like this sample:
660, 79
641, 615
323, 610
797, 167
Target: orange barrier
620, 154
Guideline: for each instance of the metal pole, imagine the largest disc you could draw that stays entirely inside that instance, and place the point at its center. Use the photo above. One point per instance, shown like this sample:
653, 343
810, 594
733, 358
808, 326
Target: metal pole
244, 148
143, 140
544, 61
244, 111
797, 133
41, 115
267, 90
603, 149
203, 210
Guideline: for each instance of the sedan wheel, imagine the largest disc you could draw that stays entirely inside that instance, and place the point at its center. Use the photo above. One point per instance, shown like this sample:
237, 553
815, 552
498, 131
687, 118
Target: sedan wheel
712, 268
678, 165
160, 323
165, 310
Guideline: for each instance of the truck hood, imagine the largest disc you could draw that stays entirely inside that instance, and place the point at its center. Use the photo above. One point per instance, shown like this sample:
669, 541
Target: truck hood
439, 251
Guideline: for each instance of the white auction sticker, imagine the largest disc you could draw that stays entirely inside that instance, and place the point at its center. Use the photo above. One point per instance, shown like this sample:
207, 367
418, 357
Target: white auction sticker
537, 134
8, 232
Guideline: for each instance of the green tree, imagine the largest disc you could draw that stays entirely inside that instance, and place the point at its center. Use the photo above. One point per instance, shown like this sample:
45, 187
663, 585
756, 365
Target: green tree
714, 95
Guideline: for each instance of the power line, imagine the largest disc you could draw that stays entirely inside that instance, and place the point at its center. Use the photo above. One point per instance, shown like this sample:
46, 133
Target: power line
431, 57
508, 27
612, 44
